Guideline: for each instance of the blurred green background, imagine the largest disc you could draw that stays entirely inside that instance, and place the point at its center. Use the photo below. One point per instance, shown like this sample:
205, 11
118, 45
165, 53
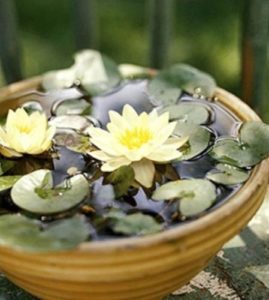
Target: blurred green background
205, 34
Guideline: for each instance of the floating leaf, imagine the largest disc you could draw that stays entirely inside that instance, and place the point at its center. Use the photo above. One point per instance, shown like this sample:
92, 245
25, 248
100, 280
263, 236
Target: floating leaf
194, 195
73, 141
72, 107
121, 179
32, 106
166, 87
22, 233
230, 151
134, 224
78, 123
199, 139
7, 182
130, 71
251, 148
255, 137
61, 79
196, 113
227, 175
162, 90
35, 192
95, 72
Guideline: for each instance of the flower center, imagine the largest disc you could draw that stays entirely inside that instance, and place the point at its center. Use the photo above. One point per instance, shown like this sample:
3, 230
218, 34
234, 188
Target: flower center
136, 137
24, 128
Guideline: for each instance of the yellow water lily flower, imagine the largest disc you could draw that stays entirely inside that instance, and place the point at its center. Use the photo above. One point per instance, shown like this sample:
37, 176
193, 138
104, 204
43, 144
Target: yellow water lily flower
25, 133
138, 141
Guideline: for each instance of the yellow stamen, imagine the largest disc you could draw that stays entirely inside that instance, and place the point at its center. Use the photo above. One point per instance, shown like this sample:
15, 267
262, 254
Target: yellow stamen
136, 137
24, 128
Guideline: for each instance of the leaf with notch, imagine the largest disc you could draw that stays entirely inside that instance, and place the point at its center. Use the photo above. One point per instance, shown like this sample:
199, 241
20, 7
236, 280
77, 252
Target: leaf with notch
166, 87
22, 233
35, 192
231, 152
196, 113
227, 175
199, 139
194, 195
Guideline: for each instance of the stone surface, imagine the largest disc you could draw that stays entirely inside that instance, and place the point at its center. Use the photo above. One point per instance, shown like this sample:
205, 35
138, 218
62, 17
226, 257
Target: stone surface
239, 271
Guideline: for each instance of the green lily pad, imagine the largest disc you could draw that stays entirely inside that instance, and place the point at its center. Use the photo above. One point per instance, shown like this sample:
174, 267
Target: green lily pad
196, 113
255, 137
72, 107
7, 182
60, 79
129, 71
95, 72
73, 141
35, 192
230, 151
22, 233
166, 87
227, 175
199, 139
194, 195
134, 224
79, 123
32, 106
121, 179
251, 148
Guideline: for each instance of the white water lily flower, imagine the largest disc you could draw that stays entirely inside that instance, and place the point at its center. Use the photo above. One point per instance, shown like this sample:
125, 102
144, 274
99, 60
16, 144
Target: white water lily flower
25, 133
138, 141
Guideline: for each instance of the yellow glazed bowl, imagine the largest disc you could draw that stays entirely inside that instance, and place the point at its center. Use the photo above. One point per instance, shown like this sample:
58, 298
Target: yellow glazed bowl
141, 268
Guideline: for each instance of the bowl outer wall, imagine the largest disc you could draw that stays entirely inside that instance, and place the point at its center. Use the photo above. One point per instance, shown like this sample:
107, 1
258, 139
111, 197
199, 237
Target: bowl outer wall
152, 265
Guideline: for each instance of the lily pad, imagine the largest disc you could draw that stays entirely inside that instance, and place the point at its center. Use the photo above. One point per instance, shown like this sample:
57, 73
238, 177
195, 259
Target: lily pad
255, 137
95, 72
227, 175
60, 79
166, 87
130, 71
199, 139
230, 151
79, 123
196, 113
121, 179
7, 182
194, 195
251, 148
32, 106
72, 107
134, 224
35, 192
22, 233
73, 141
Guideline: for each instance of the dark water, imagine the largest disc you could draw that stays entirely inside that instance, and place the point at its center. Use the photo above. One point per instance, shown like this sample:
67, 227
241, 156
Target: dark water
100, 201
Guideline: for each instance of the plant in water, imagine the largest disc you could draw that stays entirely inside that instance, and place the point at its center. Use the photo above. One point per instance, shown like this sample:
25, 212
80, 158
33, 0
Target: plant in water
138, 141
25, 134
118, 169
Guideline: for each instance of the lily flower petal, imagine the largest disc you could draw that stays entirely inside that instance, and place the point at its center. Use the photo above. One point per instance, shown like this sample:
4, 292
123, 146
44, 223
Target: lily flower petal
115, 163
144, 172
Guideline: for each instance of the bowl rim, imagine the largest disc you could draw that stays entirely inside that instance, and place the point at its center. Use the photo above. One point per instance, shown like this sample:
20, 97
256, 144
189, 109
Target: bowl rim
257, 178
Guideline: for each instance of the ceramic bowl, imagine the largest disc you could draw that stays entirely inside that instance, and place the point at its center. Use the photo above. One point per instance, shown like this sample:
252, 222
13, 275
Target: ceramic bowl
144, 268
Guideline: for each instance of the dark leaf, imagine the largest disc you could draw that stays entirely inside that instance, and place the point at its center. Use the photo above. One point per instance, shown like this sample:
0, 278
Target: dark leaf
22, 233
121, 179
